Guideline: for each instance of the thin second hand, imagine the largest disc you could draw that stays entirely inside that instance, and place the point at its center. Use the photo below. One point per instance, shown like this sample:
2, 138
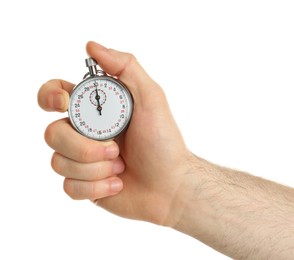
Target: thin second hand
99, 108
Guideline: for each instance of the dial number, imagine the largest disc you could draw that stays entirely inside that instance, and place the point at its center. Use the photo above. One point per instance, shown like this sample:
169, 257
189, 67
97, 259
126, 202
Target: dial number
100, 108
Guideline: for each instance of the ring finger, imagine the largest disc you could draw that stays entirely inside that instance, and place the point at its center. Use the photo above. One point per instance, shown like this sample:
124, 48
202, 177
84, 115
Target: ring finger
86, 171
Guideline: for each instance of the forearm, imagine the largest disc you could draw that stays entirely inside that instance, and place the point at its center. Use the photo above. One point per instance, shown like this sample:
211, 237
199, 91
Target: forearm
242, 216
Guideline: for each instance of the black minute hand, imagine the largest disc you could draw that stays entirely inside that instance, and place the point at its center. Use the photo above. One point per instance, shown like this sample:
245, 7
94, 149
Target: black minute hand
99, 107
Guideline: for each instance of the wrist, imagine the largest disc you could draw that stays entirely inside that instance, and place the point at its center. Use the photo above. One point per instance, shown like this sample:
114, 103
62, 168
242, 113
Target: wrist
193, 178
193, 209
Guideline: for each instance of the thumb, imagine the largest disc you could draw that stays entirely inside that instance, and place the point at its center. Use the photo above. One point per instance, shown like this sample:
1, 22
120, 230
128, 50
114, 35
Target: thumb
127, 69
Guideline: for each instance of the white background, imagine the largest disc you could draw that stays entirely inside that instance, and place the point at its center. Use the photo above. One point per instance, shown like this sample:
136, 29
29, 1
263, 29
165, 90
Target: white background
226, 67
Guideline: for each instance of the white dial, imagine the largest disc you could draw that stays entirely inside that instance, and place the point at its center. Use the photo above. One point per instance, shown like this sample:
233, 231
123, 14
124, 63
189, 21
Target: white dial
100, 107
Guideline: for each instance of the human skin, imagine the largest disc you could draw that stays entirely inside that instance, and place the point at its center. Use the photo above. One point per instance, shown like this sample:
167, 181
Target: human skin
149, 173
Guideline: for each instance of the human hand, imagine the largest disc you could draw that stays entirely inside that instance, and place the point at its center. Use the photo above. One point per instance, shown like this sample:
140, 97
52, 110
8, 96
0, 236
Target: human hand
145, 168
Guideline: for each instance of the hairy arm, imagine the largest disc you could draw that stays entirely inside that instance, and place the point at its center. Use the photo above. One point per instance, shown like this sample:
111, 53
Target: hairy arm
242, 216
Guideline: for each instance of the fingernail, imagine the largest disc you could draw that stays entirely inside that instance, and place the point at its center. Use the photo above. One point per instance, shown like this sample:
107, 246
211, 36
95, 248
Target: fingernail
58, 102
111, 151
116, 185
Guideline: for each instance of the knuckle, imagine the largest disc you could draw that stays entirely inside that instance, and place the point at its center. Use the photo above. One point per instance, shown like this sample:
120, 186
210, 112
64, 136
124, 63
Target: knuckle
93, 192
44, 97
56, 163
40, 95
97, 173
50, 134
96, 190
86, 153
68, 188
131, 59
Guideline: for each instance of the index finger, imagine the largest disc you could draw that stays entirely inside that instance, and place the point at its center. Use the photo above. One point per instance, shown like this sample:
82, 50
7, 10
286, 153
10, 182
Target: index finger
54, 95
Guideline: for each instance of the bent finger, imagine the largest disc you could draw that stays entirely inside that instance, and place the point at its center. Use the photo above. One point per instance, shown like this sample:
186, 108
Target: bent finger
86, 171
54, 95
92, 190
62, 138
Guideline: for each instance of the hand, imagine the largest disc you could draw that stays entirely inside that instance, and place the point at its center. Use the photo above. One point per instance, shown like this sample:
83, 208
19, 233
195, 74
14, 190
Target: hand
149, 174
145, 168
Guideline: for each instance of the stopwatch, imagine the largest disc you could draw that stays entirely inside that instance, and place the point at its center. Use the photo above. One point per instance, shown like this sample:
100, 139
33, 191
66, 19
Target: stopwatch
100, 106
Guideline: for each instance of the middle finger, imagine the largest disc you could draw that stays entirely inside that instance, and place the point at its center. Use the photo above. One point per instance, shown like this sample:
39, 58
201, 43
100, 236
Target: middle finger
61, 137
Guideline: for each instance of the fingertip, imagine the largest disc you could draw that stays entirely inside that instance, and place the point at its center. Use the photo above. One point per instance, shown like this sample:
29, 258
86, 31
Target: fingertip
94, 45
115, 185
118, 166
108, 59
111, 150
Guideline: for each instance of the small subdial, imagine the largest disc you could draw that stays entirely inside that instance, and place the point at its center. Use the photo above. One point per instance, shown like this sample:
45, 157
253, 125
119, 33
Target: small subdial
94, 97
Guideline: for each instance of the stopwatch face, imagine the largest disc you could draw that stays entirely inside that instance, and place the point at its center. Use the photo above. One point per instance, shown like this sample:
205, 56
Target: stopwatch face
100, 107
